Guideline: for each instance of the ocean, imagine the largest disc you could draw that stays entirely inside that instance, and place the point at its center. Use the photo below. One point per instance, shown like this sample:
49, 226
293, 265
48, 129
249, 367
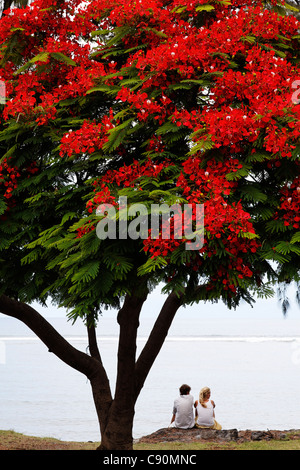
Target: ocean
250, 361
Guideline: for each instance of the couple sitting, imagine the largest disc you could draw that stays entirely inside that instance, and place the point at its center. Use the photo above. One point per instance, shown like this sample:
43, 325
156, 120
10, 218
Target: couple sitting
183, 410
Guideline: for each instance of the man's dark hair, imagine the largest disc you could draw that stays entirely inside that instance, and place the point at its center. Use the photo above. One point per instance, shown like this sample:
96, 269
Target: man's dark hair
184, 389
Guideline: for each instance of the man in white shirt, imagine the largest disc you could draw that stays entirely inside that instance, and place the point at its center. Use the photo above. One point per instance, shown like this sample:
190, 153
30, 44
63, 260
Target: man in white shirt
183, 409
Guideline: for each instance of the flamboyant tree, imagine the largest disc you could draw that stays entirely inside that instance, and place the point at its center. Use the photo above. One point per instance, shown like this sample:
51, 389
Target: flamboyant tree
162, 103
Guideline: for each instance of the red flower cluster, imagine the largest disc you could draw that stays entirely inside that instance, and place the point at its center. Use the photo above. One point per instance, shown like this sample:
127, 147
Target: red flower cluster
126, 176
8, 178
231, 128
290, 204
198, 182
70, 72
85, 229
224, 221
141, 102
215, 77
90, 137
102, 197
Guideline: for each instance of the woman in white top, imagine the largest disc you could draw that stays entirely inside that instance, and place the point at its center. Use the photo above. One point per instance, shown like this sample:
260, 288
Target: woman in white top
205, 414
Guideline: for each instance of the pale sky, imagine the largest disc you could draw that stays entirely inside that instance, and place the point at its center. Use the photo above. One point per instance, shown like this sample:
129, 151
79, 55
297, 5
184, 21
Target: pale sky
266, 308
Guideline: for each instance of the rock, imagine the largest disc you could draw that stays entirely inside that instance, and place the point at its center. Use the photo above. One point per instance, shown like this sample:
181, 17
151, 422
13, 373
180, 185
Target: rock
214, 435
260, 435
196, 434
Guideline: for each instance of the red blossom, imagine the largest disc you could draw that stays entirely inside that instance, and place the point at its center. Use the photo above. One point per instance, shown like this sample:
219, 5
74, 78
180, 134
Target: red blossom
210, 71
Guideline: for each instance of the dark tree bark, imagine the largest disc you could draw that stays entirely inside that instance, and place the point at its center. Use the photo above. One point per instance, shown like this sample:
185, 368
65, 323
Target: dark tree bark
50, 337
118, 432
90, 366
156, 340
115, 414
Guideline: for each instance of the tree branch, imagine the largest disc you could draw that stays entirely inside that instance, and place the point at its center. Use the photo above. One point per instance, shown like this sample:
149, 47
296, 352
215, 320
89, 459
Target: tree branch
49, 336
128, 319
93, 346
156, 339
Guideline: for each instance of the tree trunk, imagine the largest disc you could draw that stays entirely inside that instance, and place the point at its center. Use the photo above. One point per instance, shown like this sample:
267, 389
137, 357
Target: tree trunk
156, 339
118, 432
131, 373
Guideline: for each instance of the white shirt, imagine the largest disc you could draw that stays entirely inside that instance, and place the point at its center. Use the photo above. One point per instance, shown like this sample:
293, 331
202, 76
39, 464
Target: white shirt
205, 415
184, 412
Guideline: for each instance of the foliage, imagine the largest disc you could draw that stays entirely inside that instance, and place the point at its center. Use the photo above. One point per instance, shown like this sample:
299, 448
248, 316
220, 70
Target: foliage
163, 102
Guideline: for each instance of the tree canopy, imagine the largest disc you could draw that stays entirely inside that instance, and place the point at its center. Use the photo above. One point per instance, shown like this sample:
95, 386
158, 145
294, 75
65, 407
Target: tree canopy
161, 102
193, 103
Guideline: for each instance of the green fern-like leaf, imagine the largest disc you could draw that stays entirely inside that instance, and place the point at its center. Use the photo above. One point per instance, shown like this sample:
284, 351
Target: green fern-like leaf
295, 238
87, 272
151, 265
117, 136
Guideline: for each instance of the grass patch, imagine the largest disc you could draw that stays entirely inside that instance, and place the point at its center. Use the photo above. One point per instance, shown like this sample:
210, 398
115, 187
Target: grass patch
10, 440
252, 445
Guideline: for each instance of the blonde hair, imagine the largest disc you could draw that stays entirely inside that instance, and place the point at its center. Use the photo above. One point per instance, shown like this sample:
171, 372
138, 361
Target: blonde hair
203, 395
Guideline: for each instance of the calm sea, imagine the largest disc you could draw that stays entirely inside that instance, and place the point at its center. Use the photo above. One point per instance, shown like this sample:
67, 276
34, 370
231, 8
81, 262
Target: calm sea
252, 366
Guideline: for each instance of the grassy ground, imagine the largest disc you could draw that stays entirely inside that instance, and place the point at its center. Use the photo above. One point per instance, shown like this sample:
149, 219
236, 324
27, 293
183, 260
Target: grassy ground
10, 440
260, 445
